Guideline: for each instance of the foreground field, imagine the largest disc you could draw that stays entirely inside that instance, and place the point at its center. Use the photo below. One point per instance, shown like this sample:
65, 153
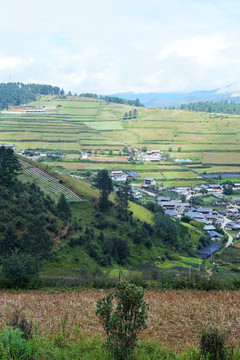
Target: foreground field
176, 318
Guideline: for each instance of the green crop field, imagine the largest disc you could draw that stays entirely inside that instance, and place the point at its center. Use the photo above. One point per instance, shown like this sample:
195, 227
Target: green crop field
90, 125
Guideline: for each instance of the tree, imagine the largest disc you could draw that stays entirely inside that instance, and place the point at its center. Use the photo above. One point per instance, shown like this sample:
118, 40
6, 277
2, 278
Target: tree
227, 189
36, 241
137, 102
63, 209
103, 183
123, 195
20, 270
123, 323
9, 166
9, 242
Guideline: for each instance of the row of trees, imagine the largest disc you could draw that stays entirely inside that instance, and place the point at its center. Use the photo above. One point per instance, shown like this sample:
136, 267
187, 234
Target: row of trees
224, 107
118, 100
130, 115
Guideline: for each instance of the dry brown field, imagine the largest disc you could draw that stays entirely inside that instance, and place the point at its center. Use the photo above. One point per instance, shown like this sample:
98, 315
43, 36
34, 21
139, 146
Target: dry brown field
221, 158
176, 318
109, 158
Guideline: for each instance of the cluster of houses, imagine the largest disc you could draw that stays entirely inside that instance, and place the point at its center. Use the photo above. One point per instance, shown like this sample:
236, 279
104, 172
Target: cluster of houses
35, 155
28, 110
150, 155
177, 209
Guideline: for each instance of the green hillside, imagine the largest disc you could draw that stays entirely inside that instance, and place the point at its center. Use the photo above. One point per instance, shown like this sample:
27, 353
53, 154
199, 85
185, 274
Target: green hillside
31, 222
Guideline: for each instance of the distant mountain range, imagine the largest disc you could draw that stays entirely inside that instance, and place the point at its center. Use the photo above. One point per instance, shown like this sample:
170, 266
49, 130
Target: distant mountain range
161, 100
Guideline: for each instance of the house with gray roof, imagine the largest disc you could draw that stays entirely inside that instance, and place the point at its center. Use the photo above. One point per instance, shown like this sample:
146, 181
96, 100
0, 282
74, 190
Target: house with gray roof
171, 213
209, 228
133, 174
205, 210
214, 235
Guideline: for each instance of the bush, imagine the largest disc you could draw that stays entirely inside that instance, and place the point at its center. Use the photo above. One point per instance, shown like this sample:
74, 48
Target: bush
212, 345
13, 345
124, 322
20, 271
18, 320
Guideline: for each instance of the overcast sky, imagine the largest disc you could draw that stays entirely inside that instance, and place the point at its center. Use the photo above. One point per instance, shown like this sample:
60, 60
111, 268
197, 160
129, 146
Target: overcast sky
108, 46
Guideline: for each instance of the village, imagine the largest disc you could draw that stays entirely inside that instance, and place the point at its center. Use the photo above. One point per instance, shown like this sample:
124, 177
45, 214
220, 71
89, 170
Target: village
182, 203
187, 203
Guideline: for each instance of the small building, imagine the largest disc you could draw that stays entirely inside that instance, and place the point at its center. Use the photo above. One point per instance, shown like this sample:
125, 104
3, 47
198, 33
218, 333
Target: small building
205, 211
214, 235
169, 205
209, 228
171, 213
163, 198
232, 212
211, 217
116, 173
203, 186
214, 188
195, 215
149, 181
84, 156
218, 195
133, 174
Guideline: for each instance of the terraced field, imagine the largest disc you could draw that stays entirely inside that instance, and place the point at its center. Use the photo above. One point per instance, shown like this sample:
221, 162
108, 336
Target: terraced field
47, 183
211, 141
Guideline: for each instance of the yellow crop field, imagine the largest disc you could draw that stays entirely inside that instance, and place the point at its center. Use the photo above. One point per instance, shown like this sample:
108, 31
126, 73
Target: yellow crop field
188, 311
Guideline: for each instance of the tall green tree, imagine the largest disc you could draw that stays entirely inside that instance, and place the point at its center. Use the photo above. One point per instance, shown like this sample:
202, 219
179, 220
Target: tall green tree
36, 241
103, 183
123, 195
9, 241
9, 166
63, 209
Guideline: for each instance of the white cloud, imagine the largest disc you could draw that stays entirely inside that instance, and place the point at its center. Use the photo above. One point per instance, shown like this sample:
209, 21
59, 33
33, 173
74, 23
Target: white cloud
11, 62
112, 46
206, 50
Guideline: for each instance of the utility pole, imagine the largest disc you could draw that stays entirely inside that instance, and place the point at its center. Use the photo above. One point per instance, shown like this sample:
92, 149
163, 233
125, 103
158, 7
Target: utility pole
190, 270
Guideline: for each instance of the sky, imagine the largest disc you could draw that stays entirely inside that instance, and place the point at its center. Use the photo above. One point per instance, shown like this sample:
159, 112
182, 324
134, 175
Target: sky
105, 47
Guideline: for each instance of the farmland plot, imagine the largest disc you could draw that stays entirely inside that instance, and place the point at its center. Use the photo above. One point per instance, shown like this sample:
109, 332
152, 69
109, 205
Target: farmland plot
176, 318
46, 182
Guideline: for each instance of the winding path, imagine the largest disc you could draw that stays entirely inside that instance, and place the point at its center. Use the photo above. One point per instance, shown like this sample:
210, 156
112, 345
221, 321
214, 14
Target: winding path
230, 238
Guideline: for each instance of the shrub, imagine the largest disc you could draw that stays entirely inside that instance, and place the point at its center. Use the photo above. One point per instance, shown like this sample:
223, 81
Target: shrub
18, 320
124, 322
13, 345
20, 271
212, 345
